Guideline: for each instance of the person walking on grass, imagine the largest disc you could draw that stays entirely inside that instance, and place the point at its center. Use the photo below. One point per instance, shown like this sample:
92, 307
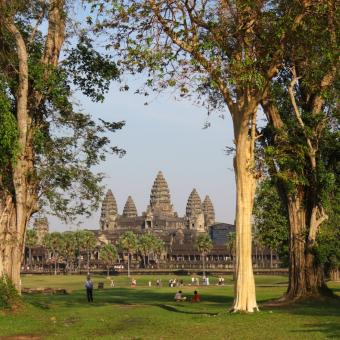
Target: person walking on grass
89, 289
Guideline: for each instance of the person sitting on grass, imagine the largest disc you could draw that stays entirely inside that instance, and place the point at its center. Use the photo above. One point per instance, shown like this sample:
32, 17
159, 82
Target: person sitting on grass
179, 296
196, 297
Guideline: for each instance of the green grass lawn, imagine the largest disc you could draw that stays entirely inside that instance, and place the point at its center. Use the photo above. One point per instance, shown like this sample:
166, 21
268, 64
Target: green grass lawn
150, 313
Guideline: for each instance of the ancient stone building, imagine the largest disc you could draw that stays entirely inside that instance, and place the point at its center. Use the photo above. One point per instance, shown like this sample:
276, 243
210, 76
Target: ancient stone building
130, 208
109, 212
159, 218
208, 211
40, 226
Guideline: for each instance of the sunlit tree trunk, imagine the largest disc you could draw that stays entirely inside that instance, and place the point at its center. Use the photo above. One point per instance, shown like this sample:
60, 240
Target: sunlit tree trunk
245, 297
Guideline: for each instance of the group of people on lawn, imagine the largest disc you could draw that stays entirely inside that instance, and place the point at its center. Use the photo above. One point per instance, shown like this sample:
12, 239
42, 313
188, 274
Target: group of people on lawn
178, 296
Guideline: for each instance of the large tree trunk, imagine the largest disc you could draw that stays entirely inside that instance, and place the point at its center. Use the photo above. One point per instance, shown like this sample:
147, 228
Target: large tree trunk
306, 275
18, 203
245, 297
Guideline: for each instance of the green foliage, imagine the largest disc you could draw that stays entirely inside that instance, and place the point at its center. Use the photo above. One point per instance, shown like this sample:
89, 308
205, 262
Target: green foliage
231, 243
89, 70
31, 238
108, 255
128, 242
196, 48
88, 240
64, 143
270, 219
53, 242
69, 246
8, 133
149, 243
203, 243
9, 297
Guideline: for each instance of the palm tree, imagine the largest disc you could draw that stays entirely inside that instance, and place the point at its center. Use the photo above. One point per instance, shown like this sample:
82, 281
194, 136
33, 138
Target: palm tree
158, 247
31, 241
204, 245
88, 243
231, 247
69, 248
128, 242
108, 256
145, 246
54, 243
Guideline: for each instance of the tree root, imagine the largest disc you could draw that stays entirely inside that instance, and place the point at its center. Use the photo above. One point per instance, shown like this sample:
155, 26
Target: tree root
287, 300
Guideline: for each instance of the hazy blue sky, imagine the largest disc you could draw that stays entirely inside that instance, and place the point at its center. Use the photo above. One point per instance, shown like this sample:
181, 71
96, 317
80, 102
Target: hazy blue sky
165, 135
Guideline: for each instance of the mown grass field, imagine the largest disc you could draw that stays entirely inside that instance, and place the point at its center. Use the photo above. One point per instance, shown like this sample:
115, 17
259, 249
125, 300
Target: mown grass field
150, 313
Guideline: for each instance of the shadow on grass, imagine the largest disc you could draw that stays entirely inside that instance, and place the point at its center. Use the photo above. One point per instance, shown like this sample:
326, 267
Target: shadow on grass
319, 307
329, 329
173, 309
121, 296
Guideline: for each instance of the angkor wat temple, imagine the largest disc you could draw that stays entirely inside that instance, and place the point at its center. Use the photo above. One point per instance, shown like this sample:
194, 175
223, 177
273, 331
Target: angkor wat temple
160, 218
178, 233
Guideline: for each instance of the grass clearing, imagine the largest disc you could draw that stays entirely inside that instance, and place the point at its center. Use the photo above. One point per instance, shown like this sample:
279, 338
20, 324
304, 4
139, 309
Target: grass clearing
150, 313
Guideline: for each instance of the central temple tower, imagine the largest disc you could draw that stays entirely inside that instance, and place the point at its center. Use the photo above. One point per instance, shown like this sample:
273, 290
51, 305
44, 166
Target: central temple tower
160, 201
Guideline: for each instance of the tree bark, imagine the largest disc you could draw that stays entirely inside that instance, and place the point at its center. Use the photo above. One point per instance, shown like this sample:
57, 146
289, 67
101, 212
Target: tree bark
16, 203
306, 275
19, 201
245, 297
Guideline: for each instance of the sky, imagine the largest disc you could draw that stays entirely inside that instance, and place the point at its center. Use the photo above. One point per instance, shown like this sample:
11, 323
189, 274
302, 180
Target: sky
168, 135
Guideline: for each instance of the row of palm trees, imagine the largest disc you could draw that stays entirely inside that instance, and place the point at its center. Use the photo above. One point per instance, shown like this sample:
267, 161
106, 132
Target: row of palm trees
69, 245
145, 245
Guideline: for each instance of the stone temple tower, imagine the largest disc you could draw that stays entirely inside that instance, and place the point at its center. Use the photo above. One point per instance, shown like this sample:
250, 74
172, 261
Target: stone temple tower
194, 212
208, 211
160, 201
130, 208
40, 226
108, 215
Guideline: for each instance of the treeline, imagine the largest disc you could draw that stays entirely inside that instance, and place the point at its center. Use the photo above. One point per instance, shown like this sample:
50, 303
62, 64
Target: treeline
69, 246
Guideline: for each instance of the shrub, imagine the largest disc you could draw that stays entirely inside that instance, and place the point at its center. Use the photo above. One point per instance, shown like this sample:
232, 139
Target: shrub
9, 297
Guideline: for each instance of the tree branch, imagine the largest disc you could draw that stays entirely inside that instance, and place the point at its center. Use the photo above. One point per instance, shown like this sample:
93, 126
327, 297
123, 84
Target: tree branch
312, 151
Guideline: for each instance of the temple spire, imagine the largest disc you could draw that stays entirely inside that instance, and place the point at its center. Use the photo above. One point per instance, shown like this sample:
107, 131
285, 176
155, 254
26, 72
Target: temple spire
109, 212
130, 208
208, 211
160, 201
194, 204
194, 212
